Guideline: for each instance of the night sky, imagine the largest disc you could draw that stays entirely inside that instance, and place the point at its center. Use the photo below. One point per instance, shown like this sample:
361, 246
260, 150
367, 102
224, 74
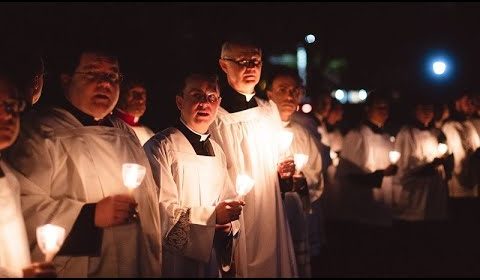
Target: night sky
381, 44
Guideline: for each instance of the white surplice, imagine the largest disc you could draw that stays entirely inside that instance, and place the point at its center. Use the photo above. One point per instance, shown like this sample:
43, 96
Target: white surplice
191, 186
462, 140
419, 195
14, 250
249, 140
143, 133
364, 152
66, 165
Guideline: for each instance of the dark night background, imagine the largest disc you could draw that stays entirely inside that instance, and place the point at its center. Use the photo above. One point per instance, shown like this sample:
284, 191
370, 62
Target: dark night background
377, 44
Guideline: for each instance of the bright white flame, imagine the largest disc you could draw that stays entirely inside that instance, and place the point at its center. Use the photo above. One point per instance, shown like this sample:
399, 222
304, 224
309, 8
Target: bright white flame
306, 108
339, 94
310, 38
244, 184
394, 156
286, 138
362, 94
442, 149
439, 67
333, 155
50, 238
133, 174
300, 160
392, 139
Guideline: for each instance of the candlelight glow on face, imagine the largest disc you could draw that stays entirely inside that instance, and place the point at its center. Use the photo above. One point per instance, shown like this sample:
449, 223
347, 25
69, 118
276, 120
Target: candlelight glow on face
442, 149
50, 238
394, 156
244, 184
133, 174
300, 160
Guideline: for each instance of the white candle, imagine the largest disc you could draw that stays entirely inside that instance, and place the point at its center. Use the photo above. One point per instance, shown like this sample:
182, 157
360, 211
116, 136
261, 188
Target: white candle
244, 184
300, 160
133, 175
50, 238
394, 156
442, 149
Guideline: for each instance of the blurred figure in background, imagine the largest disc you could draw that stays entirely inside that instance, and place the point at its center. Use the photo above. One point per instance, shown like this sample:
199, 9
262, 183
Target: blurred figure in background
131, 106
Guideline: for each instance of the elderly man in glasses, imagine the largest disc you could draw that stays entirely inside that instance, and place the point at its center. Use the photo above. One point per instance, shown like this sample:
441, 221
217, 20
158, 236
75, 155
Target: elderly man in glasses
198, 206
14, 248
247, 128
70, 157
131, 107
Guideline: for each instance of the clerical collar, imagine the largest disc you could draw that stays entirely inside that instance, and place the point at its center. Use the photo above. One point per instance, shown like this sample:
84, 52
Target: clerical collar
421, 126
233, 101
84, 118
376, 129
200, 142
195, 135
126, 117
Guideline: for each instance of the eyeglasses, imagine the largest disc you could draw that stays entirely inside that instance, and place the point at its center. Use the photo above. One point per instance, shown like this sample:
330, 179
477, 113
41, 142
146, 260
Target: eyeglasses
114, 78
295, 91
13, 106
200, 97
249, 63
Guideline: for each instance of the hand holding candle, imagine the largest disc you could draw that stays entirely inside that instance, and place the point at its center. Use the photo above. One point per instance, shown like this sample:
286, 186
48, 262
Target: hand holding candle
133, 175
50, 238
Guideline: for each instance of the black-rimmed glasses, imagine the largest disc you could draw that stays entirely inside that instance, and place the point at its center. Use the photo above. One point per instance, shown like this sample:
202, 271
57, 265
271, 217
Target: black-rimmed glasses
249, 63
114, 78
200, 96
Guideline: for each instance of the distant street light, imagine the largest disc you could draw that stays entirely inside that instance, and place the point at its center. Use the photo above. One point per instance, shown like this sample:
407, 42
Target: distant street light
439, 67
310, 38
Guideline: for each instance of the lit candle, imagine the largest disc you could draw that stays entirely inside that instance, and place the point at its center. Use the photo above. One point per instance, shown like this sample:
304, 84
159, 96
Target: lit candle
133, 175
244, 184
333, 155
300, 161
442, 149
394, 156
50, 238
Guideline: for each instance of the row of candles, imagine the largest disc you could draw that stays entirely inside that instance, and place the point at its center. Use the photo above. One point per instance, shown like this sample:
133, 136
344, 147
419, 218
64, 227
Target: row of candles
50, 237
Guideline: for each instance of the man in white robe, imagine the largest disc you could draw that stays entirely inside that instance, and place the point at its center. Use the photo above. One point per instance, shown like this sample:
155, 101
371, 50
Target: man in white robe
199, 213
246, 129
131, 107
364, 174
70, 157
305, 187
14, 249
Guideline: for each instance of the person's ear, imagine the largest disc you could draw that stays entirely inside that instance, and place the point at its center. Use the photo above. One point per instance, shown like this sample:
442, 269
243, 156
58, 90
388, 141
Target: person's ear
65, 80
223, 65
179, 102
269, 94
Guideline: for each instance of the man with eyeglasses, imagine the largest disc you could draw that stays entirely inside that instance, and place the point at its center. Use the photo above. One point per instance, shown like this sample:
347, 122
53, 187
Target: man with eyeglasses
197, 202
304, 188
71, 156
131, 107
246, 129
15, 258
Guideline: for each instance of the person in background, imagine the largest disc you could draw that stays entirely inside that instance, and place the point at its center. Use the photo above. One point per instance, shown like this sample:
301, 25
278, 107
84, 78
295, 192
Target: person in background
305, 187
131, 106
